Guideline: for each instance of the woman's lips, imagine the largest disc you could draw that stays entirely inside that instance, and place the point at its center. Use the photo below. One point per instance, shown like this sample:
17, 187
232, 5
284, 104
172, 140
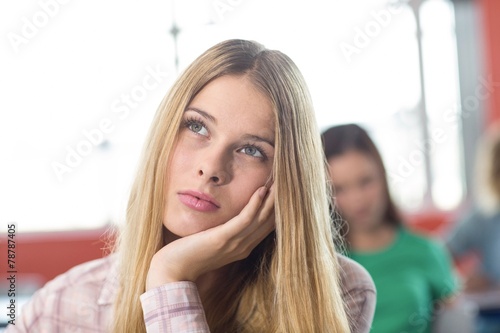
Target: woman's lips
195, 202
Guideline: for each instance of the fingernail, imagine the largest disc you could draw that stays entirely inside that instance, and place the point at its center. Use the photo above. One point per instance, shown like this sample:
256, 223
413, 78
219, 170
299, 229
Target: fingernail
262, 191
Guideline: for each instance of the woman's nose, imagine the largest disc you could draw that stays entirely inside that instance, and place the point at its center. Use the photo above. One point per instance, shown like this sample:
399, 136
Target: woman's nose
215, 167
217, 178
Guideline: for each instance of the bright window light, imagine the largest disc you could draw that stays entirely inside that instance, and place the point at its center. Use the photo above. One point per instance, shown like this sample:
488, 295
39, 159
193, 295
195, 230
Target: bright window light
81, 83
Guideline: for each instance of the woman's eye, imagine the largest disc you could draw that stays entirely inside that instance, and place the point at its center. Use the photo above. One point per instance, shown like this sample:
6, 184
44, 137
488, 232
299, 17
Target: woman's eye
198, 128
252, 151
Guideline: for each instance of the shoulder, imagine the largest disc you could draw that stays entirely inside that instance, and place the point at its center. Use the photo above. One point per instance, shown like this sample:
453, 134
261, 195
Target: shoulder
420, 243
467, 233
359, 294
353, 275
472, 220
429, 254
474, 215
80, 297
83, 277
480, 218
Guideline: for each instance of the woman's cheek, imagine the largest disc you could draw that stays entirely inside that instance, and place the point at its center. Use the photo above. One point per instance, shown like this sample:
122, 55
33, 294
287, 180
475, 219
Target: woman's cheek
376, 193
243, 190
340, 203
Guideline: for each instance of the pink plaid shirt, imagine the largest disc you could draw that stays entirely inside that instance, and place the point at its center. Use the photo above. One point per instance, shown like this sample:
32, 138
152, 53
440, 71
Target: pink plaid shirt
81, 300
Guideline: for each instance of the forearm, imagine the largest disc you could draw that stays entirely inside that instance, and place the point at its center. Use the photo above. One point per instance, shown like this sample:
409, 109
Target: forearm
174, 307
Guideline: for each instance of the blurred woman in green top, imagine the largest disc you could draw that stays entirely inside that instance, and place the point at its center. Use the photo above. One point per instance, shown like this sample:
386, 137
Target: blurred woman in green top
413, 275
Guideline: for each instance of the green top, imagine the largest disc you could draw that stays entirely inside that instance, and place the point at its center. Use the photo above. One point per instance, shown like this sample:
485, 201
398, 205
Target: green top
411, 276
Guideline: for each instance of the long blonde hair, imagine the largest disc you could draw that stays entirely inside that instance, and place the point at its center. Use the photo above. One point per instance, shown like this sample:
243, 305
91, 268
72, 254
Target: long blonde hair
487, 171
290, 282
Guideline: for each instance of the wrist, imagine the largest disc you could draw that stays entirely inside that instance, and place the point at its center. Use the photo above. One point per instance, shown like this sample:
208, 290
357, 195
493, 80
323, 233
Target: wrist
160, 274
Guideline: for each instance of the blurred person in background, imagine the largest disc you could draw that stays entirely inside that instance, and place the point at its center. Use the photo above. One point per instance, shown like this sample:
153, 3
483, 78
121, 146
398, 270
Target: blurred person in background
479, 231
412, 274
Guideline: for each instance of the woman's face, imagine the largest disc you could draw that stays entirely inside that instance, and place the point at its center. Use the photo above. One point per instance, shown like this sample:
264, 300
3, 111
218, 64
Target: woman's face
224, 152
359, 189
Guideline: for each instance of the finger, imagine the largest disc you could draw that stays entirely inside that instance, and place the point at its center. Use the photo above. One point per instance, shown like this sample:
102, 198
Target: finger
263, 221
263, 230
248, 212
255, 202
267, 208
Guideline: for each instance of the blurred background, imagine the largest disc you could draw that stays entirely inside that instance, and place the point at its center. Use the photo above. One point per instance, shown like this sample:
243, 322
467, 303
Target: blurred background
80, 82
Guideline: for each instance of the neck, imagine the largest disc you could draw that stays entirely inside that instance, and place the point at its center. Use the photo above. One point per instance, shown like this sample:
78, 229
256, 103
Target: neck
204, 282
373, 238
208, 281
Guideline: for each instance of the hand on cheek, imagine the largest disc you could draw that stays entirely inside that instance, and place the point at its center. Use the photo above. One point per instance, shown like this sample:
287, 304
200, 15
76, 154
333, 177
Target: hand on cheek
187, 258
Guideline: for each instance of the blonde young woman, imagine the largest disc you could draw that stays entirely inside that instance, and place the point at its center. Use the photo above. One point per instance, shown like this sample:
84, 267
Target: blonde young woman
228, 226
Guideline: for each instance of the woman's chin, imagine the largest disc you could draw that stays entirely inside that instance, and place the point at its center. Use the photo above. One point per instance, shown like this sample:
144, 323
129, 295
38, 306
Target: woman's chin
189, 228
364, 225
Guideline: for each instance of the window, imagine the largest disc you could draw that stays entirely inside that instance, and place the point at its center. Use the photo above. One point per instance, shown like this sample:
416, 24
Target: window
442, 103
80, 100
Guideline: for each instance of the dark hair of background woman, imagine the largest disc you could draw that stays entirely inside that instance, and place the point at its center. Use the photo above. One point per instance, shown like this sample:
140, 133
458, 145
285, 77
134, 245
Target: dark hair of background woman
342, 139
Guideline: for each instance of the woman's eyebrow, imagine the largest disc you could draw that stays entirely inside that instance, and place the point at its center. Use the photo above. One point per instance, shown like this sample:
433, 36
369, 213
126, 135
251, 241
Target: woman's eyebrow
245, 137
203, 113
258, 138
